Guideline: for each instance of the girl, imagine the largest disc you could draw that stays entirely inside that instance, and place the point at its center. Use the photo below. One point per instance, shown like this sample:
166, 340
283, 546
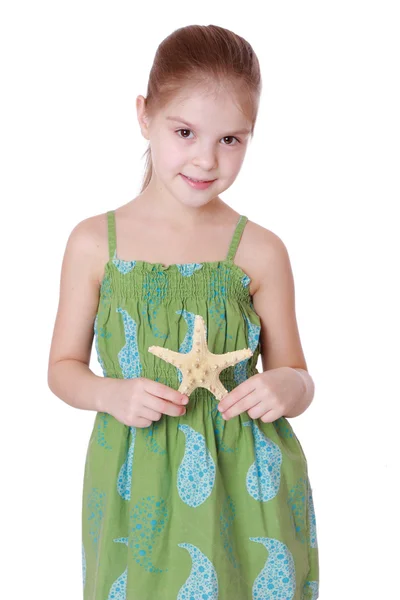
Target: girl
203, 494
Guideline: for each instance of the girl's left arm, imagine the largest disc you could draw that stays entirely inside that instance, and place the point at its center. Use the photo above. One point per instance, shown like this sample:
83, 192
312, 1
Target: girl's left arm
284, 388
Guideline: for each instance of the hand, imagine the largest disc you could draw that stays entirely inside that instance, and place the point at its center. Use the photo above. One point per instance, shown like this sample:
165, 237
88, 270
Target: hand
267, 396
140, 401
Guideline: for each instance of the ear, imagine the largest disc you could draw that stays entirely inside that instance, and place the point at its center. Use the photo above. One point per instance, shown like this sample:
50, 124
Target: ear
142, 116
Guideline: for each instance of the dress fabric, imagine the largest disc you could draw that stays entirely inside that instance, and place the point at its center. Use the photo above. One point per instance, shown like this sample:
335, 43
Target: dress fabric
192, 507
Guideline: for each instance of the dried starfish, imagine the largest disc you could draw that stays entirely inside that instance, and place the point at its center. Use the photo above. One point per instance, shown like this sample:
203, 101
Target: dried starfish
200, 367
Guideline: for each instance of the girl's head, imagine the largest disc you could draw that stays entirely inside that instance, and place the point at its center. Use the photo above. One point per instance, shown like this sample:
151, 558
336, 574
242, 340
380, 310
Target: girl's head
200, 111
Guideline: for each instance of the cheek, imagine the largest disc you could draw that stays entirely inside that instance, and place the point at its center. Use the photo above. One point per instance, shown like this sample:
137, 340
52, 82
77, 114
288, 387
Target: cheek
175, 161
171, 156
233, 163
160, 163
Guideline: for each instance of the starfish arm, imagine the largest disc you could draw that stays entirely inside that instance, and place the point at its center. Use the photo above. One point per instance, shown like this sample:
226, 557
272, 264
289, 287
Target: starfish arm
200, 334
219, 390
186, 387
169, 356
223, 361
238, 355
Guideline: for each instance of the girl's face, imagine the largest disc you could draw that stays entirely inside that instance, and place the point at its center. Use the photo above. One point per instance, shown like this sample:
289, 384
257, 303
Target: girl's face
203, 135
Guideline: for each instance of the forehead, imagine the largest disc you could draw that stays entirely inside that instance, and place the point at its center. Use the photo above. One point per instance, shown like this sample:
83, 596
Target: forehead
207, 107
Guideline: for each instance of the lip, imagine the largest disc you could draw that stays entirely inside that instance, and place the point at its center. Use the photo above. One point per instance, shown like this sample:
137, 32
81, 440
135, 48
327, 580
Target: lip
199, 180
198, 185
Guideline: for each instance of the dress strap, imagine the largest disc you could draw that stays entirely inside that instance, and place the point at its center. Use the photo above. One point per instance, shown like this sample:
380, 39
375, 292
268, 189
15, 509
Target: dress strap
236, 237
112, 238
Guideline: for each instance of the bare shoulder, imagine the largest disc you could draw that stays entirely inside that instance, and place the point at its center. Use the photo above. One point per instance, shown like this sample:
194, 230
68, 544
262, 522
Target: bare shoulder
81, 270
88, 242
261, 252
274, 300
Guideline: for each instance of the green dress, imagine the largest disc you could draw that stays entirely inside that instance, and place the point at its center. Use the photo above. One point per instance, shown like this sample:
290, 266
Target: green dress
191, 507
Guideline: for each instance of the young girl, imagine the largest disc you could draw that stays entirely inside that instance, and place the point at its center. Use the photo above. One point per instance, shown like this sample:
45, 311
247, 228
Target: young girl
190, 493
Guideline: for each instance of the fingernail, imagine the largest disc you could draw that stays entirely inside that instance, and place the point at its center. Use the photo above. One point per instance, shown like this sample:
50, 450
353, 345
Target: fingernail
185, 400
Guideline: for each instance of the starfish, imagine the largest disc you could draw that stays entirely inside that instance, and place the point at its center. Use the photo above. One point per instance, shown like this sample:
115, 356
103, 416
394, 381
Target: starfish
200, 367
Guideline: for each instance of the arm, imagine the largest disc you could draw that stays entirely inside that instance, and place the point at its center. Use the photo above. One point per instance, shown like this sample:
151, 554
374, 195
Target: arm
76, 384
69, 376
274, 302
284, 388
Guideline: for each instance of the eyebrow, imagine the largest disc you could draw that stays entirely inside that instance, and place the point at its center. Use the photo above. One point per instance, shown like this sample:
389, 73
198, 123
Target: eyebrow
179, 120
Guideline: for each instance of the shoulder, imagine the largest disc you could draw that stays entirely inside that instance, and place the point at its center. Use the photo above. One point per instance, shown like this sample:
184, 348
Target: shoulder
78, 291
274, 303
265, 253
88, 244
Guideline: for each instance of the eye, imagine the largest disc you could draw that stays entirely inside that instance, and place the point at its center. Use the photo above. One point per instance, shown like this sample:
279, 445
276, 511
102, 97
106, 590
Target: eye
227, 137
184, 137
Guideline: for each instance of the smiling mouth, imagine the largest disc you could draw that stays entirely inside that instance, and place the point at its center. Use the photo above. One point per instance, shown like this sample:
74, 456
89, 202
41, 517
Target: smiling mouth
198, 180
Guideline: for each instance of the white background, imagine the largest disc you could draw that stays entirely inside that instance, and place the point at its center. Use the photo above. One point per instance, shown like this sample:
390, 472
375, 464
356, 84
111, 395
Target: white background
322, 172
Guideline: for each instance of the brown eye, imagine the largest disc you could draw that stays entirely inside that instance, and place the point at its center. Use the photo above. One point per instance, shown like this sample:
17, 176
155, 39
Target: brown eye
187, 130
230, 137
227, 137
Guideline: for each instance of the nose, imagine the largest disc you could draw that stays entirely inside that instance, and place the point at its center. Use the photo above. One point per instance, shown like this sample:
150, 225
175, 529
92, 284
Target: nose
205, 157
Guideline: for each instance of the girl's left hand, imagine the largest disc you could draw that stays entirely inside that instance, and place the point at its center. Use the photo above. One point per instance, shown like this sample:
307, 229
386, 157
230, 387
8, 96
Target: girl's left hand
268, 395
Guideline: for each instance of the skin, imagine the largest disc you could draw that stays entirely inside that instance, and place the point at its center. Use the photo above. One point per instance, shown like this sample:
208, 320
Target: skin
170, 222
203, 153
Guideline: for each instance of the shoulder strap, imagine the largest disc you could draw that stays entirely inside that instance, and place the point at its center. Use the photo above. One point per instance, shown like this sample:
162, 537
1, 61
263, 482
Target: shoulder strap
112, 240
236, 237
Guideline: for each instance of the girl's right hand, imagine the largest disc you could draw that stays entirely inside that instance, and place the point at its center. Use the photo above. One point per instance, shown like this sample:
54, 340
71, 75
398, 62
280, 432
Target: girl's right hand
139, 401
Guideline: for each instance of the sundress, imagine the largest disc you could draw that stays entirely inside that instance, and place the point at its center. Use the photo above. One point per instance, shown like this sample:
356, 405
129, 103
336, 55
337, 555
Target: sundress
192, 507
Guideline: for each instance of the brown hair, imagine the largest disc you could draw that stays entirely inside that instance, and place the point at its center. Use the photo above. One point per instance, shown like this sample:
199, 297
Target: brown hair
198, 54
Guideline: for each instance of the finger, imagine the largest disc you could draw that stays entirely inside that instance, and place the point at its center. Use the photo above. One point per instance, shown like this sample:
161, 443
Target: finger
172, 410
163, 406
141, 422
256, 411
269, 417
241, 391
149, 413
241, 406
157, 388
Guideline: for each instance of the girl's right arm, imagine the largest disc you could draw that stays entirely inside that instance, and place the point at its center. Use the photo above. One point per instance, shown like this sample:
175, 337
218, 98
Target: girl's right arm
136, 401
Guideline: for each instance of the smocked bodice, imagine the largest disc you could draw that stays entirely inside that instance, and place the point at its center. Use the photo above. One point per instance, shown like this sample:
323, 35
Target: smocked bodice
143, 304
